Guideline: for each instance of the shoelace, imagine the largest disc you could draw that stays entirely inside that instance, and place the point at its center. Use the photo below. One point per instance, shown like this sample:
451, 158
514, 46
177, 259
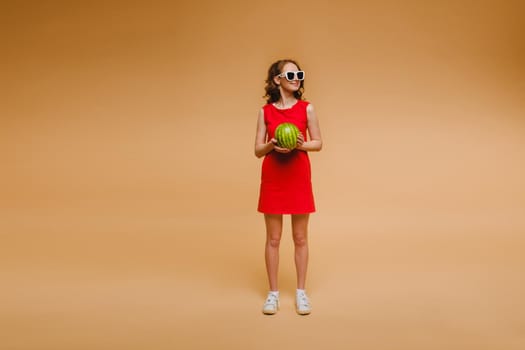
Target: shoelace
272, 299
303, 300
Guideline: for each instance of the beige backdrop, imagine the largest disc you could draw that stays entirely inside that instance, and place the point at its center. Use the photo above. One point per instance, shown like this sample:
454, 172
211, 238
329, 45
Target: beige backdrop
129, 186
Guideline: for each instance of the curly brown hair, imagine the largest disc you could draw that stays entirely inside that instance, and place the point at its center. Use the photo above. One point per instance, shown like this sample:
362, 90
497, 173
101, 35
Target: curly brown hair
272, 90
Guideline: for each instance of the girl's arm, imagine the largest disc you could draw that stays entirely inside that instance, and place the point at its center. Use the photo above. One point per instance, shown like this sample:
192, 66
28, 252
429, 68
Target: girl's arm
261, 146
316, 143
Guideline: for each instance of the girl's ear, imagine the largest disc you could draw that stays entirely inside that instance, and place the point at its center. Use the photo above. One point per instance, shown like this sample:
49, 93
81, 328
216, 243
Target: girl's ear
276, 80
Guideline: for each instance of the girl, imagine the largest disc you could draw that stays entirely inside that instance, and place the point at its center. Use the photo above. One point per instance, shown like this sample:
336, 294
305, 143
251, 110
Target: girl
285, 178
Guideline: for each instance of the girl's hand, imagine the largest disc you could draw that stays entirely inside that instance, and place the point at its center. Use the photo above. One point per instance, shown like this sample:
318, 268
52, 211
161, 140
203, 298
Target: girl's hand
300, 139
279, 149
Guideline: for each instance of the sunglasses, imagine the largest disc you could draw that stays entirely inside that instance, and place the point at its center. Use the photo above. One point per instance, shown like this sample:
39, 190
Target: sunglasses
290, 76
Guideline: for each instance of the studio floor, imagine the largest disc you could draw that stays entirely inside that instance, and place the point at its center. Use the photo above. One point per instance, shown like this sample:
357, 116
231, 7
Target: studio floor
117, 277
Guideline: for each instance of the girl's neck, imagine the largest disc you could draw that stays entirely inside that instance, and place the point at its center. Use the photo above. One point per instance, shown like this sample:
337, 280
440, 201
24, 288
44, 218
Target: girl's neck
286, 101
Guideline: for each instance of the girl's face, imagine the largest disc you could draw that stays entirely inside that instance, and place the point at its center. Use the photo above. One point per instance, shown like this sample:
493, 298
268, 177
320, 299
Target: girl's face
285, 84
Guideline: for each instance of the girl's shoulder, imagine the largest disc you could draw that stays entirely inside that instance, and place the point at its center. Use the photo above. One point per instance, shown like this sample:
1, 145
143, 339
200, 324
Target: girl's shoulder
265, 110
304, 103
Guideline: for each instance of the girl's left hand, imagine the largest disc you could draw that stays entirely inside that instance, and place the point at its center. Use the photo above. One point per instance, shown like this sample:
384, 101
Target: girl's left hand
300, 139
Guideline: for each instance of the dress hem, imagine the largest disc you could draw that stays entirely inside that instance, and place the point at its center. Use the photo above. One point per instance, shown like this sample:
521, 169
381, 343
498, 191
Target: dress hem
286, 213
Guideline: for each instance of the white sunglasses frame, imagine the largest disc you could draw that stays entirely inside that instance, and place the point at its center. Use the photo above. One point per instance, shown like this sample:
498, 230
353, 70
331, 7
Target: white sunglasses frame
295, 77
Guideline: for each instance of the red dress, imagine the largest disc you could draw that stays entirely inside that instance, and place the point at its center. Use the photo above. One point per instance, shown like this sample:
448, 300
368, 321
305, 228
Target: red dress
286, 186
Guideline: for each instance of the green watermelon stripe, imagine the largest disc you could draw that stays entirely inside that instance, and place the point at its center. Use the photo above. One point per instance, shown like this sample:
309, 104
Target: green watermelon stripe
293, 139
286, 135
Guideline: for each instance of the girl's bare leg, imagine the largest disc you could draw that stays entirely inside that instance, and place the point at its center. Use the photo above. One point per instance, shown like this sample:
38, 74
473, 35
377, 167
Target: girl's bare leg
300, 238
274, 227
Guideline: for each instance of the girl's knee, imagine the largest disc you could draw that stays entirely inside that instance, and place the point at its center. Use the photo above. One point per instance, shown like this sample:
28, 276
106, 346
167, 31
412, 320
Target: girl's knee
274, 241
300, 240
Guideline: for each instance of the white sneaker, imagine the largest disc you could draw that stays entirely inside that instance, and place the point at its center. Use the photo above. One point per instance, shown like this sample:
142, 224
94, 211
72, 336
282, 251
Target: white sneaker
302, 304
271, 305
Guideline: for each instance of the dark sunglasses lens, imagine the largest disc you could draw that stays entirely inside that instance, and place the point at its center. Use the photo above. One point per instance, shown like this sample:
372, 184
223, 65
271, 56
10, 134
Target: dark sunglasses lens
290, 75
300, 75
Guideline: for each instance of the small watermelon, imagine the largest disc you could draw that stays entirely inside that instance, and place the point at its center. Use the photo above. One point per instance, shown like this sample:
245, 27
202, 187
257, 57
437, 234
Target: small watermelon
286, 135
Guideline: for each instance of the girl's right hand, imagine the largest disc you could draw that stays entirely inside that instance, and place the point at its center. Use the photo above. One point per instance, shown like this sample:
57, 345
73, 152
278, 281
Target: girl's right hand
279, 149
